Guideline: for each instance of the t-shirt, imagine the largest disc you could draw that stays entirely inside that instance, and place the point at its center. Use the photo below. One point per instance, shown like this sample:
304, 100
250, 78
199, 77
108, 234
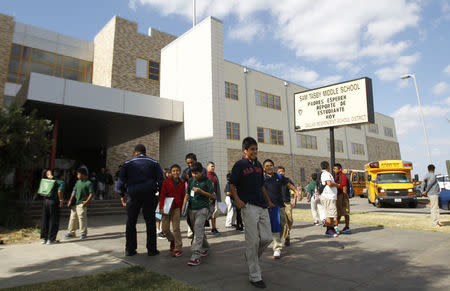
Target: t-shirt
328, 192
342, 179
199, 201
59, 186
311, 188
248, 177
82, 190
274, 185
286, 192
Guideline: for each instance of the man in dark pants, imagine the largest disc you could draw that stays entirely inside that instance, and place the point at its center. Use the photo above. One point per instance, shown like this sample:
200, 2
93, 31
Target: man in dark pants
140, 177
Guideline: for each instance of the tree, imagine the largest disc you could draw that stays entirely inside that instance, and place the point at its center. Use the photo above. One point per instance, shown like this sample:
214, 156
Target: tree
24, 139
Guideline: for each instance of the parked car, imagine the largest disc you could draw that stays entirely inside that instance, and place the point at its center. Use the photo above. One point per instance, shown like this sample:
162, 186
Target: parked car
444, 199
443, 181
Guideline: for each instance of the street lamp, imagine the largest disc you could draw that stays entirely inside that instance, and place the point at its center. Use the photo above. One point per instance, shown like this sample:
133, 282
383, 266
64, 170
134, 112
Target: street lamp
420, 111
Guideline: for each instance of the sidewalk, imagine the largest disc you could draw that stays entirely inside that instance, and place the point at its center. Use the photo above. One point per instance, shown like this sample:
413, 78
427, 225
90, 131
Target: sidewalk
370, 258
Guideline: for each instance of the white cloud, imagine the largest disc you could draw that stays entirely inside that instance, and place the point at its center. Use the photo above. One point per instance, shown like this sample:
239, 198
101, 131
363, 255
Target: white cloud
407, 119
447, 69
132, 4
246, 32
440, 88
336, 30
298, 74
402, 66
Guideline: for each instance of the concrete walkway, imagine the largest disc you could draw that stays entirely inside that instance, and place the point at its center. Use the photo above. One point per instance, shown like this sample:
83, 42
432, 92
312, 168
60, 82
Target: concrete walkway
369, 259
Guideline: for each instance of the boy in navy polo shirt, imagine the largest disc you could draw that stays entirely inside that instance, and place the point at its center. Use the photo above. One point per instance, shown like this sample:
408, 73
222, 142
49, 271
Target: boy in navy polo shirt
274, 184
250, 195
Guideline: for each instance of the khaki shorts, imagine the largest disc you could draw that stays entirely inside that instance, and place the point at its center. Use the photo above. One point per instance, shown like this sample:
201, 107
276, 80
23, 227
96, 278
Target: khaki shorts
329, 207
343, 204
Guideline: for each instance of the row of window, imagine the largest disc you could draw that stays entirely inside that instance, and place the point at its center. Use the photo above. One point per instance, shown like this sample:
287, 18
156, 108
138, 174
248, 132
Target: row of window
147, 69
274, 136
24, 60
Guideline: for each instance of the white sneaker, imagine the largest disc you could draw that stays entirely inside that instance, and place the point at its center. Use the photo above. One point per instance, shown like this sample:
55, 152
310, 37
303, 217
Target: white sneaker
43, 241
336, 229
276, 254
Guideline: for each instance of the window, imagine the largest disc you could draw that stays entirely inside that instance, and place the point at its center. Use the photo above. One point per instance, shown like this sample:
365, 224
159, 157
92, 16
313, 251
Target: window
25, 60
357, 126
147, 69
338, 146
306, 141
267, 100
302, 175
231, 91
233, 131
270, 136
373, 128
358, 149
388, 132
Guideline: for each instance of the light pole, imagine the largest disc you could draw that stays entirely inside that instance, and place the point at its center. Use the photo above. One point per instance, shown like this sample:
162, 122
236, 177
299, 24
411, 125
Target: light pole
420, 112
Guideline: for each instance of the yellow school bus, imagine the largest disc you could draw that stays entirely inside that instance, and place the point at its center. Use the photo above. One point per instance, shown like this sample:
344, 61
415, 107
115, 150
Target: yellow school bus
358, 180
389, 182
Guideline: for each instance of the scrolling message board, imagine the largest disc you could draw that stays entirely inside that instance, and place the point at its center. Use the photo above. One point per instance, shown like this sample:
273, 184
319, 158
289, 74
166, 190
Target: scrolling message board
340, 104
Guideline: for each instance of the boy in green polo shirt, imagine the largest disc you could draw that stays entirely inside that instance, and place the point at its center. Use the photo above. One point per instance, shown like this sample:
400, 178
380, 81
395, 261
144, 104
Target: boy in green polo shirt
81, 195
198, 191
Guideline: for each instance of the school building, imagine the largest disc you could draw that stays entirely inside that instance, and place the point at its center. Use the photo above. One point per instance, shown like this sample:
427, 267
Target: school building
173, 94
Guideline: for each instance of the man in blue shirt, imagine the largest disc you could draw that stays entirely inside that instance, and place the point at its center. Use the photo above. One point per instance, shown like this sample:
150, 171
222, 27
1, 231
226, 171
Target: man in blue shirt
139, 179
250, 195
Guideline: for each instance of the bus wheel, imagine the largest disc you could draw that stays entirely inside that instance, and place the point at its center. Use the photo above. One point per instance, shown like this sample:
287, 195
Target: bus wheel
378, 203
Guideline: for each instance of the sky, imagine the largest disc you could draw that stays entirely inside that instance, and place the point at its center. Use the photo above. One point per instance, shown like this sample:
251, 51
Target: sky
309, 42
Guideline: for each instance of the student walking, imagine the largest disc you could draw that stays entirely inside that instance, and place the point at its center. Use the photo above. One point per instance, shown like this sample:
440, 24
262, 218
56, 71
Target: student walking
210, 173
50, 211
230, 221
83, 192
316, 207
342, 202
431, 189
139, 179
199, 191
173, 187
250, 195
328, 197
287, 220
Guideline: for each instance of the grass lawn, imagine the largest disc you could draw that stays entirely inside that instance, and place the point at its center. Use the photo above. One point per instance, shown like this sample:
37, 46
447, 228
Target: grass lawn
133, 278
9, 236
416, 222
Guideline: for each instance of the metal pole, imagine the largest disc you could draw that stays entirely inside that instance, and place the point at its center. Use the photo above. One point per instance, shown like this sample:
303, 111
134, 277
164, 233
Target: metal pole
421, 117
333, 154
194, 16
290, 134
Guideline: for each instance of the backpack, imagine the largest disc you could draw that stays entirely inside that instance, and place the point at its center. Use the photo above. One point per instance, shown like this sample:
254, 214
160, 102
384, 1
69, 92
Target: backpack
319, 186
47, 187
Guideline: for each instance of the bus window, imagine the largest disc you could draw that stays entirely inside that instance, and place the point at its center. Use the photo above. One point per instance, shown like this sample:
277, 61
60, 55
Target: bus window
354, 177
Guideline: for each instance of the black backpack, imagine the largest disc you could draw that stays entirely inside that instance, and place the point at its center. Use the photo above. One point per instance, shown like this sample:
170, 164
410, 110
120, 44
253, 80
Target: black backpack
319, 184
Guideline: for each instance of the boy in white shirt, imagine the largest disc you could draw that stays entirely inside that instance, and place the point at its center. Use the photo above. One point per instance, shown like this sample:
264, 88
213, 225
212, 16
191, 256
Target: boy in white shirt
328, 197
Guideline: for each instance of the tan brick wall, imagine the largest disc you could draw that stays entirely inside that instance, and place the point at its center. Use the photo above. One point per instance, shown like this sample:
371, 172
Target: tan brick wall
6, 33
115, 155
309, 163
128, 45
379, 149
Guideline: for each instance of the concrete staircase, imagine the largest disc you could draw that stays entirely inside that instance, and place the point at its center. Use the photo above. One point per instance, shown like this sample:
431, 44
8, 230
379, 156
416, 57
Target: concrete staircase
33, 209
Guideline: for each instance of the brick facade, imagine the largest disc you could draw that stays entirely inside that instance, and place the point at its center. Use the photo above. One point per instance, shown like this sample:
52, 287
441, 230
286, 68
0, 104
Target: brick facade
117, 46
6, 34
380, 149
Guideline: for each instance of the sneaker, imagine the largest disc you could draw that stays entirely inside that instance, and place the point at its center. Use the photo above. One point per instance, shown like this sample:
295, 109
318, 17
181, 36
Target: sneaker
346, 230
83, 236
195, 262
161, 235
153, 253
177, 254
316, 222
130, 253
331, 233
276, 254
215, 231
287, 242
69, 235
204, 253
336, 229
52, 242
259, 284
172, 246
43, 241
